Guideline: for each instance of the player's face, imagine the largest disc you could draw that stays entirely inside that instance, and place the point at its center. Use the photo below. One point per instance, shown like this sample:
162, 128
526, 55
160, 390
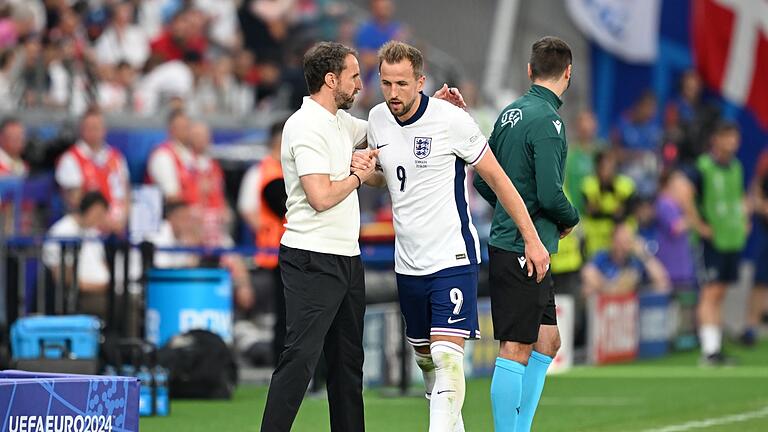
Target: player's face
349, 83
400, 87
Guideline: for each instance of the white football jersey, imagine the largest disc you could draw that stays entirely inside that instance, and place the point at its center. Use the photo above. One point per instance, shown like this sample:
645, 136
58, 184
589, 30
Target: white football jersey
425, 163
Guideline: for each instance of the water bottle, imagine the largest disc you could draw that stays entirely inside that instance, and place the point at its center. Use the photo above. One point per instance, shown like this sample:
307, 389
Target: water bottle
127, 370
146, 407
162, 401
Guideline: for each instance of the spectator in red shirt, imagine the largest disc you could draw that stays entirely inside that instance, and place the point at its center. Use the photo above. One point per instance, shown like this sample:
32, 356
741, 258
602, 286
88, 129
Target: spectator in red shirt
212, 203
171, 163
214, 213
183, 34
93, 165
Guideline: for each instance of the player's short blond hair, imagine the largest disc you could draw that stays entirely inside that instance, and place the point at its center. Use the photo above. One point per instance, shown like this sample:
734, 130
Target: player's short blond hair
396, 51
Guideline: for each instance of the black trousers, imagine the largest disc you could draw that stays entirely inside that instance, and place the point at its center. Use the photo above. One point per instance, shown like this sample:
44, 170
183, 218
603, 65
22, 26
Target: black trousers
325, 304
278, 299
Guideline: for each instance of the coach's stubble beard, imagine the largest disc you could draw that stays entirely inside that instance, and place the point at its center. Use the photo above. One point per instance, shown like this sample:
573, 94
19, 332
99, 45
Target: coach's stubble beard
344, 101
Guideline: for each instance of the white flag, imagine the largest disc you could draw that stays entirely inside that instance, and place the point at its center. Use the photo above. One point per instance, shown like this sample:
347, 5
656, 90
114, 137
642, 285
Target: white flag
627, 28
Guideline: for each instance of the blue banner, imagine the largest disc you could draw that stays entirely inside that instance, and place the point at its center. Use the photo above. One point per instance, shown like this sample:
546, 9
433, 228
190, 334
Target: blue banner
32, 402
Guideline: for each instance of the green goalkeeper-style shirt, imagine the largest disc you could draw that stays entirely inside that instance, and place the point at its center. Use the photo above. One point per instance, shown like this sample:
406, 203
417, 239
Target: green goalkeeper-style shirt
528, 139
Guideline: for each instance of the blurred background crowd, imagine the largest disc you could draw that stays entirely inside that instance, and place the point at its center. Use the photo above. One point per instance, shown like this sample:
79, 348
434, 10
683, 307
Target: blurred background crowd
185, 67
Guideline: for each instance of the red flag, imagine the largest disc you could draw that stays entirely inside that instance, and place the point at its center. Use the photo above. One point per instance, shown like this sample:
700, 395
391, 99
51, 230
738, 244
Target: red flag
730, 46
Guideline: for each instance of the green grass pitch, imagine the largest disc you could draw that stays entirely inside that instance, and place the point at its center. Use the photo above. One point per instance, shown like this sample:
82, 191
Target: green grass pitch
666, 395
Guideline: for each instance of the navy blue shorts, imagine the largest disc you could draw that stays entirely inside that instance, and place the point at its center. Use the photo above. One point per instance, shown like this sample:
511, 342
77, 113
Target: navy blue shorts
722, 267
440, 304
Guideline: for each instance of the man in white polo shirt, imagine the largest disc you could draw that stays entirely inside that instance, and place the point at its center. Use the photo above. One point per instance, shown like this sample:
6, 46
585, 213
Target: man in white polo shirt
319, 253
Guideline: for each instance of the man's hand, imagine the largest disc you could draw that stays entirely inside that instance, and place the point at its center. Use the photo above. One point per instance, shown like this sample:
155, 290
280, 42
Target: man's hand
367, 167
564, 233
537, 258
361, 159
451, 95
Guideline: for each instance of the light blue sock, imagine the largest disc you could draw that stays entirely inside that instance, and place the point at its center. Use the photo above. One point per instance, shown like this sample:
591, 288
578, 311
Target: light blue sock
533, 384
506, 390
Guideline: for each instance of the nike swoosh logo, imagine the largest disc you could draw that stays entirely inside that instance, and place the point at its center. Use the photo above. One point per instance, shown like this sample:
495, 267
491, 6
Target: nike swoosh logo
381, 146
453, 321
446, 391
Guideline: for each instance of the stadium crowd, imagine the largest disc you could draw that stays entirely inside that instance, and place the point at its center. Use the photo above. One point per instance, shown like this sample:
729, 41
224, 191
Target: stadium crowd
665, 188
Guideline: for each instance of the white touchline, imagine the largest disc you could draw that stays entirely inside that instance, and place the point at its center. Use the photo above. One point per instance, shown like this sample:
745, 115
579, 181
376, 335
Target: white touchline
715, 421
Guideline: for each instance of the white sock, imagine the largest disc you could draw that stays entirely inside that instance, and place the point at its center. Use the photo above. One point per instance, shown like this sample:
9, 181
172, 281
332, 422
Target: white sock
459, 426
448, 391
427, 366
711, 338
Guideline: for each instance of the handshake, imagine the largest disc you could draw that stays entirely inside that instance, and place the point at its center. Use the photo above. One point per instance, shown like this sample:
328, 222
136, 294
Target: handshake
364, 164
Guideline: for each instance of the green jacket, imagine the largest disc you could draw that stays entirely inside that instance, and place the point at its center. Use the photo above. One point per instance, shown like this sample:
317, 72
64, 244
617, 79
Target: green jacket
529, 142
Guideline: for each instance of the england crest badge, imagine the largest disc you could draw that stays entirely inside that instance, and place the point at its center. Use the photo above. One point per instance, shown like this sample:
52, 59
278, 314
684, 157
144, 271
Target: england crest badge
422, 146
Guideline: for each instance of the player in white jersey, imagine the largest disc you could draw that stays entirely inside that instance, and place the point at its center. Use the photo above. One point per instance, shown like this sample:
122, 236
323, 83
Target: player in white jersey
424, 147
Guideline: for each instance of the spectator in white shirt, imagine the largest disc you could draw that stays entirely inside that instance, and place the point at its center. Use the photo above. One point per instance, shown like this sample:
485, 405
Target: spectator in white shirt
169, 80
92, 269
116, 92
221, 92
123, 41
178, 230
224, 28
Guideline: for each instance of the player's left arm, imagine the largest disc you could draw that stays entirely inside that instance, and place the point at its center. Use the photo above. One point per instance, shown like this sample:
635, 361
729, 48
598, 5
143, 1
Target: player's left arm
481, 186
490, 170
472, 146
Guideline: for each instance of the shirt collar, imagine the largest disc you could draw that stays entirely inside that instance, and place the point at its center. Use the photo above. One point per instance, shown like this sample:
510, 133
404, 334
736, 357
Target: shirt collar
86, 150
315, 107
417, 115
546, 94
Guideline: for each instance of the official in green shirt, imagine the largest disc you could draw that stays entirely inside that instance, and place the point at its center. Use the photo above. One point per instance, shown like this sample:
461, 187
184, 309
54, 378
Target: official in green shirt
529, 142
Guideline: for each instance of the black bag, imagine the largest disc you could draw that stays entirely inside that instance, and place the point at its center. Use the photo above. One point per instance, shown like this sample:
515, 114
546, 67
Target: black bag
201, 366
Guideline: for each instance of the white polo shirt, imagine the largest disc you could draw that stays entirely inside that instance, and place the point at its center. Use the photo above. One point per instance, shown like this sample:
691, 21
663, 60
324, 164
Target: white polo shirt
318, 142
